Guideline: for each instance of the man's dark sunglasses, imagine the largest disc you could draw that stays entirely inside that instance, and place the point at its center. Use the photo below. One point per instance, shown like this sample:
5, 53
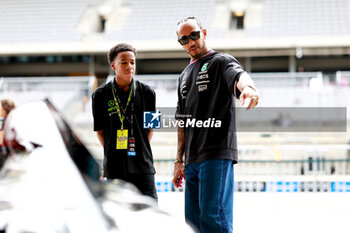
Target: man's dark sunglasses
193, 36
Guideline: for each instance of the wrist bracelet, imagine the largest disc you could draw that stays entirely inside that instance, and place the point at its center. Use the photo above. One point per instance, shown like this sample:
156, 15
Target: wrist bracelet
178, 161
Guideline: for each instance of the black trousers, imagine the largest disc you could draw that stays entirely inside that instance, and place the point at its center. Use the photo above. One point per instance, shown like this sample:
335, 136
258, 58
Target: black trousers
144, 182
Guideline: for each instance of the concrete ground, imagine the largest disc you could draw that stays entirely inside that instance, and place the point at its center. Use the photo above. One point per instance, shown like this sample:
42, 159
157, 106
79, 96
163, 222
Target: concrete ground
279, 212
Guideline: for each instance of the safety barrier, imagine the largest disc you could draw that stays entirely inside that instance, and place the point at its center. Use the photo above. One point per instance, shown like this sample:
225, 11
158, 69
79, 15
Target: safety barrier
272, 186
286, 168
281, 160
292, 186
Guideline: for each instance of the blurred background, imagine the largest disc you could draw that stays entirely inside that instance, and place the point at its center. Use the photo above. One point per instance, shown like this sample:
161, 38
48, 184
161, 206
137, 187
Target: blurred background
297, 51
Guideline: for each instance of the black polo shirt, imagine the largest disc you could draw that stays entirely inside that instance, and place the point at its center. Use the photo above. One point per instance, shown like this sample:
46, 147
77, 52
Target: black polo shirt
206, 91
116, 162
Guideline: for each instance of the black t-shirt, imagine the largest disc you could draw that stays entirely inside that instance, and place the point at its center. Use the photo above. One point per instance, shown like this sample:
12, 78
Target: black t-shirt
117, 163
206, 91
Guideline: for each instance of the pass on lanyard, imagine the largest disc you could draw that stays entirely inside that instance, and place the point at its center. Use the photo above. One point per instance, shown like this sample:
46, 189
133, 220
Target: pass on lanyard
132, 147
122, 139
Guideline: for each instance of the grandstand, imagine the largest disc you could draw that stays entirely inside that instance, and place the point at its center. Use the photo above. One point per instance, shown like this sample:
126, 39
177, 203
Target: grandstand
296, 51
60, 38
66, 93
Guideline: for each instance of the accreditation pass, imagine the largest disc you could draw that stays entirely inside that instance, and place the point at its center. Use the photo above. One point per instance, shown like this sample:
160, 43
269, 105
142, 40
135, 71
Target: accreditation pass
122, 139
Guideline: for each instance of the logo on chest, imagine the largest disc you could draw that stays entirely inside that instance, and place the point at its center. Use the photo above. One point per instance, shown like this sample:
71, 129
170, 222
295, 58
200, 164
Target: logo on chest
111, 103
112, 108
203, 80
204, 67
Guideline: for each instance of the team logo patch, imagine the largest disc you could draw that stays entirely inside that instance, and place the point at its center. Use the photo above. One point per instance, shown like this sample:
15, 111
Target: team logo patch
202, 88
152, 119
111, 103
204, 67
236, 66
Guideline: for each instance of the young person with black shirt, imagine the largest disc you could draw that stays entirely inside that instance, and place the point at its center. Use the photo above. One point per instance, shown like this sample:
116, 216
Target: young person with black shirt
118, 108
207, 90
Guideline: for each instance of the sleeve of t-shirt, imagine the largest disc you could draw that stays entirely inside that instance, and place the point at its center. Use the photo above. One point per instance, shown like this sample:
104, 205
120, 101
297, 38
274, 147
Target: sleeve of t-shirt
232, 70
97, 111
152, 105
149, 99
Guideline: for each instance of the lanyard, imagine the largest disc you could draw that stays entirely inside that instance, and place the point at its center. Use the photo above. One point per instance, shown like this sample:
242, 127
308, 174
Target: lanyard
122, 112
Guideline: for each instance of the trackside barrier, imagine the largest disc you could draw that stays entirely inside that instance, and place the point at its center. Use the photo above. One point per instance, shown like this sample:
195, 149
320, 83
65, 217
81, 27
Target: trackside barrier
310, 166
168, 186
292, 186
164, 184
282, 168
271, 160
272, 186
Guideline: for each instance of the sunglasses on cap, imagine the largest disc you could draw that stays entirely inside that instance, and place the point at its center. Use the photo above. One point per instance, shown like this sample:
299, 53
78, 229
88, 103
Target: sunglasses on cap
193, 36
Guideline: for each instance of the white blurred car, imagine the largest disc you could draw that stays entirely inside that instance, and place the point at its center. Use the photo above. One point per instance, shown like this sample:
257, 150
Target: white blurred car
50, 183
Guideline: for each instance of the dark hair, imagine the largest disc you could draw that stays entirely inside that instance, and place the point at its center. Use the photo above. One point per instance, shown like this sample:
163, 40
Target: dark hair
8, 105
190, 18
113, 52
